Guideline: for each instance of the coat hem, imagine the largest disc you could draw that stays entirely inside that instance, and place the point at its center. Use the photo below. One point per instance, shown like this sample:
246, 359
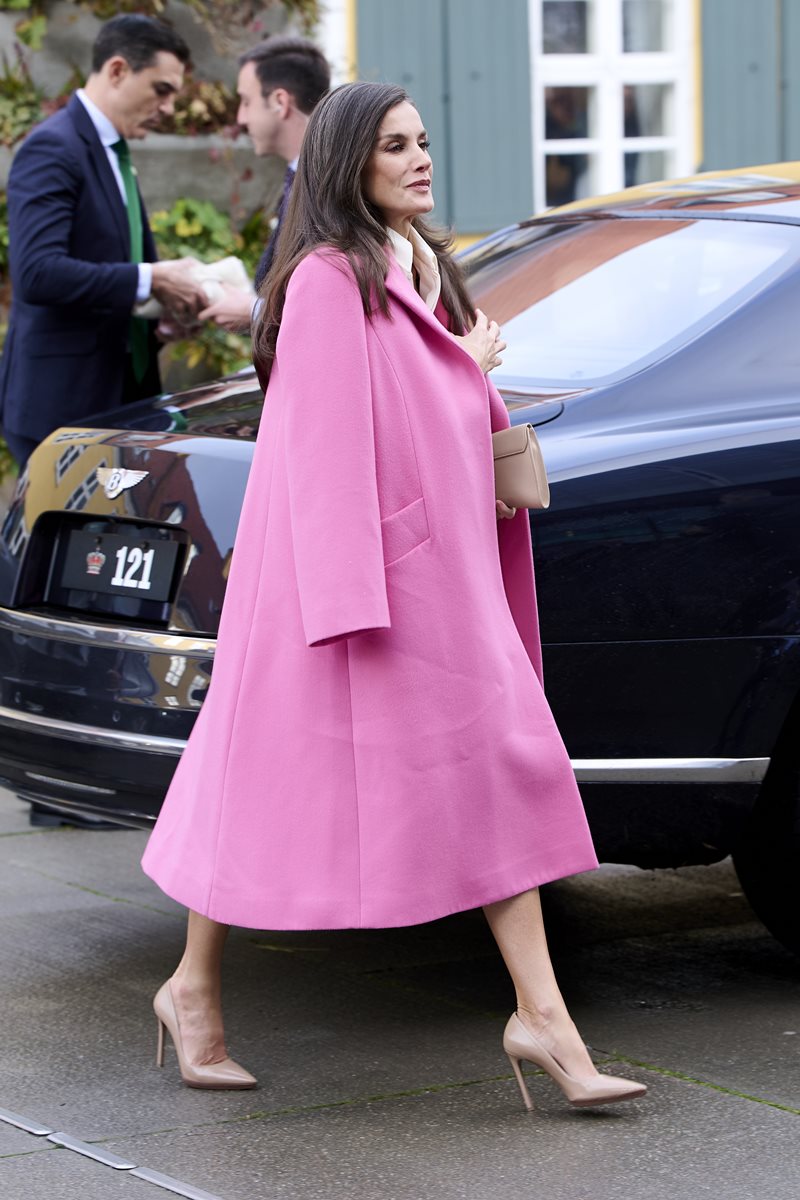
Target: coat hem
187, 893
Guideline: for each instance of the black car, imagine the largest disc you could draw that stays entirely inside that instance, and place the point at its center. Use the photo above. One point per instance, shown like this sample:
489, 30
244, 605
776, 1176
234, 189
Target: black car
653, 342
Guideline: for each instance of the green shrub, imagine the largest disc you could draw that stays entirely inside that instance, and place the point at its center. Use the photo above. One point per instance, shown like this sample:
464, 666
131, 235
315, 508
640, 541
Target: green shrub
20, 102
202, 106
194, 227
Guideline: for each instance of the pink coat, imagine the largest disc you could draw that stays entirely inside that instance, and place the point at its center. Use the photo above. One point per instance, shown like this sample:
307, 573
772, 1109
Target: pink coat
375, 748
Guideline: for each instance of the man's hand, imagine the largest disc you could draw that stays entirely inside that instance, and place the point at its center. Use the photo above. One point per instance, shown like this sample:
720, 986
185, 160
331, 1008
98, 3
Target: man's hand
174, 287
231, 310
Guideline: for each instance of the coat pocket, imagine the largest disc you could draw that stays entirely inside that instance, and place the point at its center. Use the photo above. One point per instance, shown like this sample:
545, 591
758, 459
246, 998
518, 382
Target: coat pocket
403, 531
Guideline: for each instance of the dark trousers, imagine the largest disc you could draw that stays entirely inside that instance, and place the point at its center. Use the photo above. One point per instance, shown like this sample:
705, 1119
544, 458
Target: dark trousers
134, 389
21, 447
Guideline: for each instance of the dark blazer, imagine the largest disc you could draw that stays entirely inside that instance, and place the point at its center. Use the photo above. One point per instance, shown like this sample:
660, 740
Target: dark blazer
73, 287
265, 261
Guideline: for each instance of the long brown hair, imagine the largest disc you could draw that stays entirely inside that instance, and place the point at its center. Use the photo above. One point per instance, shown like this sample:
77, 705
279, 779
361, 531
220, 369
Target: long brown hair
327, 207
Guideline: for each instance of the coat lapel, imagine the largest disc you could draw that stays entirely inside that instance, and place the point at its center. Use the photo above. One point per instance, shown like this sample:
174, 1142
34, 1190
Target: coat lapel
400, 289
104, 175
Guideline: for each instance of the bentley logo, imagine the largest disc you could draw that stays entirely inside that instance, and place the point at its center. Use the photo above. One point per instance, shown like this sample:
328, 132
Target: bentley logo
116, 480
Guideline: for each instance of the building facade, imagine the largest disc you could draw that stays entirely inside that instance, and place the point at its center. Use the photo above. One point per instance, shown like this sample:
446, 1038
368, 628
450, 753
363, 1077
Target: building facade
532, 103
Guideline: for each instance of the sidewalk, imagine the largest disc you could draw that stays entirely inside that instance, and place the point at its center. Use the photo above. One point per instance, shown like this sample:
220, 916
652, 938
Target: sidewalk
378, 1052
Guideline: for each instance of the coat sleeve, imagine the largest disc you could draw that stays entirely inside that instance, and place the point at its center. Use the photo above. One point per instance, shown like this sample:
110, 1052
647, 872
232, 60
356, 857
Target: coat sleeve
516, 558
330, 453
44, 187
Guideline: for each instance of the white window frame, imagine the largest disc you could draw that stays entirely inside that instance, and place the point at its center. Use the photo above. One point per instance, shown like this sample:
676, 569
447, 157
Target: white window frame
606, 69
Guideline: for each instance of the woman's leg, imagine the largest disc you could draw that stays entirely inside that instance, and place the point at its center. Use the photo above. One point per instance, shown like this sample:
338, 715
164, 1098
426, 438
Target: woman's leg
518, 928
197, 991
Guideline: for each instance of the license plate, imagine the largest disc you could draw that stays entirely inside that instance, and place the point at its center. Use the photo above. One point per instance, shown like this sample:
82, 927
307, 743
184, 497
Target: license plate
119, 566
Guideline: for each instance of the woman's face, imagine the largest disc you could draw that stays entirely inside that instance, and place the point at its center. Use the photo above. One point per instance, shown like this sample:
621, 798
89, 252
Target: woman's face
397, 177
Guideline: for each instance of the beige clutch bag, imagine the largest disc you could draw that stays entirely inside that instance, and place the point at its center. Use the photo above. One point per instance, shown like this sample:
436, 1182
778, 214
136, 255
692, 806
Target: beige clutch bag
520, 478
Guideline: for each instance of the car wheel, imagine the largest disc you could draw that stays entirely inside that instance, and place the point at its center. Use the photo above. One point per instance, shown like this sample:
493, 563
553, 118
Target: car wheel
767, 859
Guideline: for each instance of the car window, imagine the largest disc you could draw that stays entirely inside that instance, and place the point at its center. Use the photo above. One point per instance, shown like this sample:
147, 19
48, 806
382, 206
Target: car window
591, 302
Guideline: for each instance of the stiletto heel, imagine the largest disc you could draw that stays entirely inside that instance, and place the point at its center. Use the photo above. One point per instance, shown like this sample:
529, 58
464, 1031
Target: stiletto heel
519, 1043
160, 1043
220, 1076
523, 1087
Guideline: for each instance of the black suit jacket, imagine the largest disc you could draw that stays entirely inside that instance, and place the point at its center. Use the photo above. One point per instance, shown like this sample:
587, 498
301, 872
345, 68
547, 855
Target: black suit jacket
73, 286
269, 251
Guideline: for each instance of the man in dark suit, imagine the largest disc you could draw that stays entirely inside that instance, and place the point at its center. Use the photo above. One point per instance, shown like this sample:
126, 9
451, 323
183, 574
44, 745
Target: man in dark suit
81, 251
281, 81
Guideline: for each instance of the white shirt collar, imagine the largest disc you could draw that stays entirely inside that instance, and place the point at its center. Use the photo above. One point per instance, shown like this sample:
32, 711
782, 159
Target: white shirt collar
106, 130
415, 252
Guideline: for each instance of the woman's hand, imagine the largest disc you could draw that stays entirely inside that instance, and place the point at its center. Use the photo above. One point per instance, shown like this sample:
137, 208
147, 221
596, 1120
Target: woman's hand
483, 342
504, 513
231, 308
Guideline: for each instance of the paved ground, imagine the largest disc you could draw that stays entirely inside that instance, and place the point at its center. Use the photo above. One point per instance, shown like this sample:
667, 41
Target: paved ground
379, 1052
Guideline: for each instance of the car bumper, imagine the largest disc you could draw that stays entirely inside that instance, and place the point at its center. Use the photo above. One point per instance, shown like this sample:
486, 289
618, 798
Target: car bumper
106, 740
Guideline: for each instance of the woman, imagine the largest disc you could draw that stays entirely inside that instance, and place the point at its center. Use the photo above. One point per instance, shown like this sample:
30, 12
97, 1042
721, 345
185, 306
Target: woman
375, 749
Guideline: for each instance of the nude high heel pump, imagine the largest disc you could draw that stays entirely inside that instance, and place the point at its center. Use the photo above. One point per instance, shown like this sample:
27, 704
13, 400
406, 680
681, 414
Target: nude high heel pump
519, 1043
220, 1076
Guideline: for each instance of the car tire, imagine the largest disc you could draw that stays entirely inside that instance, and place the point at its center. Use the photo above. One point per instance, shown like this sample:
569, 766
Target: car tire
767, 859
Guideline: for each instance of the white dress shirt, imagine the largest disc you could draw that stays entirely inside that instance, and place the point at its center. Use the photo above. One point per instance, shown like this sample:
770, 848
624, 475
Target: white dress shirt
415, 254
108, 134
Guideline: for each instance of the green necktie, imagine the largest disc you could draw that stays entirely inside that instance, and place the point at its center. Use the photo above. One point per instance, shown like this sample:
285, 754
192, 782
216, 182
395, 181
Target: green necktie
138, 331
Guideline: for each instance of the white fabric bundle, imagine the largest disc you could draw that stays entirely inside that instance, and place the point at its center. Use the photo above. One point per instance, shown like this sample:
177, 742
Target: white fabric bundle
211, 277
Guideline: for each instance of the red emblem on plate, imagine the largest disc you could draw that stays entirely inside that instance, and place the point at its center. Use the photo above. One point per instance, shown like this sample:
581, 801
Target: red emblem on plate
94, 562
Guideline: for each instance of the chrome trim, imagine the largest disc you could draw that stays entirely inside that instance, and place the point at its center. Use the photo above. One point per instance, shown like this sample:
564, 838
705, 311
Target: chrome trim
124, 817
12, 718
587, 770
669, 770
163, 641
66, 783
